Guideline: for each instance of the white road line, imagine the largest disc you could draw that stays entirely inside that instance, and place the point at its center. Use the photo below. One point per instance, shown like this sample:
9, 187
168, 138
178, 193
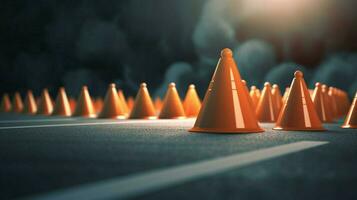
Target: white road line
37, 120
141, 183
95, 124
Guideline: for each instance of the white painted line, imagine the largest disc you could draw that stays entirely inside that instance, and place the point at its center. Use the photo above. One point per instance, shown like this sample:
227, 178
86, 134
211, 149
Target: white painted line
37, 120
96, 124
141, 183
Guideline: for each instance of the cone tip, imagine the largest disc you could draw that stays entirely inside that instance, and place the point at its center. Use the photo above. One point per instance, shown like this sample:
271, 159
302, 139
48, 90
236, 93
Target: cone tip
112, 85
317, 84
84, 87
298, 74
226, 52
275, 86
143, 85
266, 84
191, 86
172, 84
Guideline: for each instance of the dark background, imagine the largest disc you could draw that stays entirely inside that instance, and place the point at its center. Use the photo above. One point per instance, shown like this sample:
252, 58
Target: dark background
71, 43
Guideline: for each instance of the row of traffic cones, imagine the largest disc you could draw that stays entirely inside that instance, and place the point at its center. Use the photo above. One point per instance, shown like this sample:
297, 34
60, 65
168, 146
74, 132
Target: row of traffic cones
228, 106
113, 106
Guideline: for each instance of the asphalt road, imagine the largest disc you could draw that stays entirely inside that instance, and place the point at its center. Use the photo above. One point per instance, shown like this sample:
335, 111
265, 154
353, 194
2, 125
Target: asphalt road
42, 155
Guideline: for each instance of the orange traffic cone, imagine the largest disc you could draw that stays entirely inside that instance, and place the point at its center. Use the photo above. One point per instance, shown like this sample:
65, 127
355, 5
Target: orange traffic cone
62, 106
98, 104
333, 103
320, 101
254, 96
158, 104
143, 106
5, 103
172, 107
298, 112
192, 102
30, 104
130, 101
45, 106
112, 107
72, 104
267, 108
277, 96
246, 91
351, 119
123, 102
17, 105
286, 94
84, 107
226, 107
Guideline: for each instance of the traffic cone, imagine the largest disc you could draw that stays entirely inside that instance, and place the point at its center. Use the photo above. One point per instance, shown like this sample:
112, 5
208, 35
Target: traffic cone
351, 118
267, 108
192, 102
333, 103
62, 107
143, 107
17, 105
72, 104
254, 96
158, 104
286, 94
84, 106
5, 103
123, 102
320, 101
298, 112
112, 107
45, 106
130, 101
172, 107
246, 91
277, 96
98, 104
30, 104
226, 108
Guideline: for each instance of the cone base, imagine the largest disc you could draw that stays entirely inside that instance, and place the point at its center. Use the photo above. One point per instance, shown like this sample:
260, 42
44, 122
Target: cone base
298, 129
349, 126
112, 117
86, 116
149, 117
172, 118
233, 131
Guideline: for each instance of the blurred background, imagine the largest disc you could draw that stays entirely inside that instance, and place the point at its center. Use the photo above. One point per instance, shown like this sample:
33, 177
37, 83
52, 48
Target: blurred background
49, 43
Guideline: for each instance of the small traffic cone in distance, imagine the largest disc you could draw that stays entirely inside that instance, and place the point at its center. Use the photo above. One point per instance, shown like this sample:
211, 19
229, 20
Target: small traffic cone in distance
333, 103
143, 107
84, 106
267, 108
351, 118
298, 112
192, 102
123, 102
112, 107
158, 104
62, 107
98, 104
246, 91
17, 105
320, 101
277, 96
72, 104
172, 107
130, 101
226, 108
5, 103
286, 94
254, 96
30, 104
45, 106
